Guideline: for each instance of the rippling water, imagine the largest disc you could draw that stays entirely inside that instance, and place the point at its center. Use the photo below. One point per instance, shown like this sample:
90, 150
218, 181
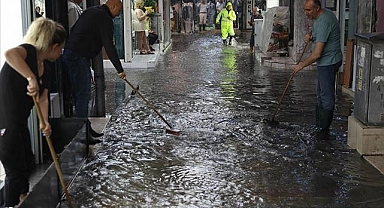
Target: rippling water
226, 155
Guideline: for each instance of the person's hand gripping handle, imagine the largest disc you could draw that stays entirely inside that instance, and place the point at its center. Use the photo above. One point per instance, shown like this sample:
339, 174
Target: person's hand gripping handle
122, 75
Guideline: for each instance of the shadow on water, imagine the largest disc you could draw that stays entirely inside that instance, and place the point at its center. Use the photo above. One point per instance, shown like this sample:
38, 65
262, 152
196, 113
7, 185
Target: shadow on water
226, 156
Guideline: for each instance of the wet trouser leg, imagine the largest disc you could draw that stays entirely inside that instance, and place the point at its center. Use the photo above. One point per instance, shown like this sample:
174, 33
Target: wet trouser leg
323, 119
80, 76
326, 95
252, 40
224, 30
231, 32
203, 19
230, 40
17, 158
152, 38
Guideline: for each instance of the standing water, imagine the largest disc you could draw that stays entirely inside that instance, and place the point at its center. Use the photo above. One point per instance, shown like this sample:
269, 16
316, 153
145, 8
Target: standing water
226, 156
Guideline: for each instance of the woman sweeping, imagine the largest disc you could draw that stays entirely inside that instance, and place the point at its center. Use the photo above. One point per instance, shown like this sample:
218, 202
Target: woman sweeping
23, 76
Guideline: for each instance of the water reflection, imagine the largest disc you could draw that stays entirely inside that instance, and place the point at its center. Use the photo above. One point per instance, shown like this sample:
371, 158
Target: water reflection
226, 155
230, 73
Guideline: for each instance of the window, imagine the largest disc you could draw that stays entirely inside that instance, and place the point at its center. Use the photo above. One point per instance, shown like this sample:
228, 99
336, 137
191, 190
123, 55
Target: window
331, 4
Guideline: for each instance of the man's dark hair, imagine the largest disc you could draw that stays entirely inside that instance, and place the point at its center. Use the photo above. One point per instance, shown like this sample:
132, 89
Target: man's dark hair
317, 3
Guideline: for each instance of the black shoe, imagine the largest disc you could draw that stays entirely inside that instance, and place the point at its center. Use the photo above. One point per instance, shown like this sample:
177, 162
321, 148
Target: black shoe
230, 40
90, 141
93, 141
95, 134
133, 92
324, 119
324, 135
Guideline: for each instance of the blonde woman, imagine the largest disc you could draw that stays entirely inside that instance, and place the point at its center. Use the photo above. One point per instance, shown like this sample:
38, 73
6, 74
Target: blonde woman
24, 75
139, 19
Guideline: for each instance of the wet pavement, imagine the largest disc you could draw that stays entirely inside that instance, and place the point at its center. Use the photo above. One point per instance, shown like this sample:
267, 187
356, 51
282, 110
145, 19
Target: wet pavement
227, 155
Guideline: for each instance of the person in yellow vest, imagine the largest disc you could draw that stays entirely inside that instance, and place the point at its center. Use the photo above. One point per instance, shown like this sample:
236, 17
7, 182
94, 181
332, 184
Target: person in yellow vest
227, 16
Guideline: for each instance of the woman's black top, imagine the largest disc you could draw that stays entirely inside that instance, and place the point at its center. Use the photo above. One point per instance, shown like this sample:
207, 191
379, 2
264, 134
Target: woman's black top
15, 104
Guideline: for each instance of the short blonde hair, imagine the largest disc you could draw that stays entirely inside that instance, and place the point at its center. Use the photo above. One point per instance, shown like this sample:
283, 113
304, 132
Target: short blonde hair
139, 4
44, 32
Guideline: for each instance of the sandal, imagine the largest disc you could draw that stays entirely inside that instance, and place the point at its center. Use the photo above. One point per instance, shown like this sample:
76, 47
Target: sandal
150, 52
143, 53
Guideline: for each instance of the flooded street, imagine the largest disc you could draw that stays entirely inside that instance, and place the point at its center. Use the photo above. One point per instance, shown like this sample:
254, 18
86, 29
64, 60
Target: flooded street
219, 97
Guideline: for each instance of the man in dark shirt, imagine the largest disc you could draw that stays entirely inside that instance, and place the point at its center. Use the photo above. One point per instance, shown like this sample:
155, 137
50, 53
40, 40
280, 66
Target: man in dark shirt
92, 31
255, 15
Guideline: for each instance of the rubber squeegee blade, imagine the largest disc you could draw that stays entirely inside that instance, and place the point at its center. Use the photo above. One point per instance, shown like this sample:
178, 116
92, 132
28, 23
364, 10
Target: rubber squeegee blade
173, 132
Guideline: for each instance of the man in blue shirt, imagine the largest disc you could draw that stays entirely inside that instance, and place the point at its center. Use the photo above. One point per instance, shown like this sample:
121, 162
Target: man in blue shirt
326, 52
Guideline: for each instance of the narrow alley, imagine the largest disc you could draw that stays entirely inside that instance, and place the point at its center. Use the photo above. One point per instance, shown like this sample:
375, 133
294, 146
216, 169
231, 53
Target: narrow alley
219, 97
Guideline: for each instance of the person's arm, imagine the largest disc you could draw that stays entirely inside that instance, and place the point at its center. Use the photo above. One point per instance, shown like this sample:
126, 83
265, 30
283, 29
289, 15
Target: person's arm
250, 22
141, 15
73, 15
232, 15
43, 103
307, 38
315, 55
15, 57
107, 39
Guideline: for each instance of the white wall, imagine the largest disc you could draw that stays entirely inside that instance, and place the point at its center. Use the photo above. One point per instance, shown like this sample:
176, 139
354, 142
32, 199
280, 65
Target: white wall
11, 26
11, 34
272, 3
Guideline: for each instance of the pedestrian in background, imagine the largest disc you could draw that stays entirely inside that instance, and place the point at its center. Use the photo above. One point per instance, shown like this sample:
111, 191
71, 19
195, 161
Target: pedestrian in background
211, 15
74, 12
255, 15
326, 52
92, 31
23, 76
152, 38
139, 20
203, 9
38, 12
176, 25
226, 18
220, 4
188, 17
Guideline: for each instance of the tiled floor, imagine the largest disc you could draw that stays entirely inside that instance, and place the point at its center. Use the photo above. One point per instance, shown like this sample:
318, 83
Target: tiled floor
139, 61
